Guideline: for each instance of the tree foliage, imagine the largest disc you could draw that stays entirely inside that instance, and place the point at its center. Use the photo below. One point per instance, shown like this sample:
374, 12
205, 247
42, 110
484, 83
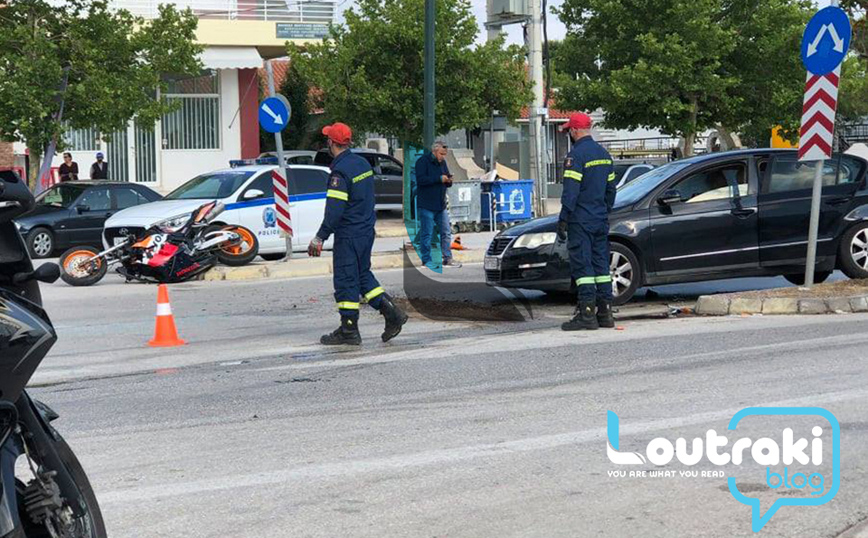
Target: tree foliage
370, 71
114, 60
684, 66
297, 134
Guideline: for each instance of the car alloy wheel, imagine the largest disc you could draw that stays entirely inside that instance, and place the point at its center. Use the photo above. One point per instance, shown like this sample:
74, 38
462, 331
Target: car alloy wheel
622, 273
859, 248
42, 244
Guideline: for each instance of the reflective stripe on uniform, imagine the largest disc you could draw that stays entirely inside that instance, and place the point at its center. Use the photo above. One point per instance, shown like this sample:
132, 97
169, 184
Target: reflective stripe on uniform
603, 279
339, 195
572, 174
376, 292
612, 176
598, 162
360, 177
585, 281
347, 305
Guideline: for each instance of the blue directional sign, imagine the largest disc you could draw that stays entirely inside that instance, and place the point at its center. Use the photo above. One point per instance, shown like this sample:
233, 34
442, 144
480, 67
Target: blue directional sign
826, 40
274, 113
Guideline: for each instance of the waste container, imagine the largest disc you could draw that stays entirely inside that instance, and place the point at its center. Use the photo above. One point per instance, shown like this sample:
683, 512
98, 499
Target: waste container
465, 207
507, 201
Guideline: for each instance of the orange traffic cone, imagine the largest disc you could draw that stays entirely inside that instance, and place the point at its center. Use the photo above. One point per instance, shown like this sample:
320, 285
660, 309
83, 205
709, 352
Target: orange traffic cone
456, 244
165, 334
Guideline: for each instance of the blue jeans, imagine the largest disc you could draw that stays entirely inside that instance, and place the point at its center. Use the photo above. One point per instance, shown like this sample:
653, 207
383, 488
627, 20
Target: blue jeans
427, 220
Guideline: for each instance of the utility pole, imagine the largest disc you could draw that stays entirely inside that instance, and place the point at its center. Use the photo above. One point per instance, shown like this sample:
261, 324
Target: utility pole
537, 113
429, 126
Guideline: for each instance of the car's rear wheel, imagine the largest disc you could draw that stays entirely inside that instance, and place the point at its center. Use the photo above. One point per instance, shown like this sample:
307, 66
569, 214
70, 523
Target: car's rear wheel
626, 273
799, 279
853, 251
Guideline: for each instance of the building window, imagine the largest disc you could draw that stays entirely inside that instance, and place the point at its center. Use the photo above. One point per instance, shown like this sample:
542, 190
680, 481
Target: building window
195, 124
82, 140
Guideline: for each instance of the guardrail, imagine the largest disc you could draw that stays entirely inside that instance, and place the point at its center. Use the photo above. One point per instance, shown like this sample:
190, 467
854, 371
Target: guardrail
306, 11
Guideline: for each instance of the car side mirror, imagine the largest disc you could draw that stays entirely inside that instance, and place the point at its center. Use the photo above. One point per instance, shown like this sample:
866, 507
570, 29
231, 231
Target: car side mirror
82, 209
47, 272
669, 197
253, 193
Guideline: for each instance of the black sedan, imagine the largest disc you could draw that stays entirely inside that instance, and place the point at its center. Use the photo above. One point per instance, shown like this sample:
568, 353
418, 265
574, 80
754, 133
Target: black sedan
723, 215
388, 177
73, 213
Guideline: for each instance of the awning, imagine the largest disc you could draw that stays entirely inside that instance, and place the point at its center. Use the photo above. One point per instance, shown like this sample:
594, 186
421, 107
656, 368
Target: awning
231, 58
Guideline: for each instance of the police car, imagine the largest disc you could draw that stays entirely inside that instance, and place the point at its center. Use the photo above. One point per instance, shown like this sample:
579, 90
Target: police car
246, 190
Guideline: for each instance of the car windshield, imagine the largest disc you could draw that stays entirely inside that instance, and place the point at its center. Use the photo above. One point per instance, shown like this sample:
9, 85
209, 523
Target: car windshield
62, 195
637, 189
210, 186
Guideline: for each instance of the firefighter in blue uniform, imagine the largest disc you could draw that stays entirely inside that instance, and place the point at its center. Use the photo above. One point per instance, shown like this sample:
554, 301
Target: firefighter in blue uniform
350, 216
588, 196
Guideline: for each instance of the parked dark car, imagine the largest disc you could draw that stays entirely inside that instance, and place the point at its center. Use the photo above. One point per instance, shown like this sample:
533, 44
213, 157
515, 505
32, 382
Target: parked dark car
388, 179
73, 213
724, 215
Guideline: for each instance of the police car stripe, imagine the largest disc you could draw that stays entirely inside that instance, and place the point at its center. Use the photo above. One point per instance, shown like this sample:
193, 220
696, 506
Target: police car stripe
360, 177
270, 201
376, 292
598, 162
585, 281
572, 174
346, 305
339, 195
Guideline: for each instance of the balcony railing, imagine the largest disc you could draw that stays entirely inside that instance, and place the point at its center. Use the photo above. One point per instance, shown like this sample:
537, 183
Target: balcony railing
302, 11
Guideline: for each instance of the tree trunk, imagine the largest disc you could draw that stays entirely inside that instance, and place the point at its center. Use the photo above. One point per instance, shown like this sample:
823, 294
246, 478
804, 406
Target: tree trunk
690, 136
727, 140
33, 169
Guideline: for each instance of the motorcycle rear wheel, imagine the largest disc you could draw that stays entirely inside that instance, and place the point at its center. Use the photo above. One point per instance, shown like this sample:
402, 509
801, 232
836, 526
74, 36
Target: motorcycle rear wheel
77, 270
237, 255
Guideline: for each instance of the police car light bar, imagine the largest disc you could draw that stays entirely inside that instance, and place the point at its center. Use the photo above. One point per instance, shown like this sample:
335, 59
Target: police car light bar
235, 163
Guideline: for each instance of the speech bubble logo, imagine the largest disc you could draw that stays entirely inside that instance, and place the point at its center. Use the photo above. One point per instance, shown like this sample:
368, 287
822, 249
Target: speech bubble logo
758, 520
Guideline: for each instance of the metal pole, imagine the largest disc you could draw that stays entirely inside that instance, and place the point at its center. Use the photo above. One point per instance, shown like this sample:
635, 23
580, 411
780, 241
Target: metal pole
814, 225
428, 126
535, 124
491, 144
281, 163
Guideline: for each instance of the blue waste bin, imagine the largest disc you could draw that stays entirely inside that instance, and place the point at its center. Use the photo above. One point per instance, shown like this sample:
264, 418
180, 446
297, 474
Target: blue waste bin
512, 201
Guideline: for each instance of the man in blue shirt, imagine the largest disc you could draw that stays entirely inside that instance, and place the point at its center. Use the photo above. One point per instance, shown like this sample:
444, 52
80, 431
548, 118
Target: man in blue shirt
432, 180
588, 197
350, 216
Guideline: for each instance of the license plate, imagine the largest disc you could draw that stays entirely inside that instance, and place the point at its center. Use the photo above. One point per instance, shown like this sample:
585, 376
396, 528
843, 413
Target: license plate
492, 263
120, 240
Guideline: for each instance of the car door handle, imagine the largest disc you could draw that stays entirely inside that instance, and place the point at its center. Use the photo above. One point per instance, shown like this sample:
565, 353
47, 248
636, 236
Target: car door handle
743, 213
838, 200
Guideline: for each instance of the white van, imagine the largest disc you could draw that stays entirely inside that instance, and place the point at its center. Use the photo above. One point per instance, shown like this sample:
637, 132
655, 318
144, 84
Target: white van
247, 193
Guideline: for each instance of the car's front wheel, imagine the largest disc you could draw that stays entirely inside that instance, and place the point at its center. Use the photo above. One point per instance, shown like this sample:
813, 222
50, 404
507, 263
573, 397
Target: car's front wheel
853, 251
40, 242
626, 273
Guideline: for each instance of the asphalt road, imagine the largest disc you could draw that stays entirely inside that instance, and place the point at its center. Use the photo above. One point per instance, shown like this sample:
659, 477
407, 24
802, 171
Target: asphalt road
459, 428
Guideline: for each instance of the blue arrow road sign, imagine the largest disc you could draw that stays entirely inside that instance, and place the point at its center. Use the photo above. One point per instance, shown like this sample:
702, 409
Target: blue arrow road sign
274, 113
826, 40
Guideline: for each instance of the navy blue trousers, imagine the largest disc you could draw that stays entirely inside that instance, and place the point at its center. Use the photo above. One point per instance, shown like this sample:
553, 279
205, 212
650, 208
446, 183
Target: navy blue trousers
352, 275
589, 261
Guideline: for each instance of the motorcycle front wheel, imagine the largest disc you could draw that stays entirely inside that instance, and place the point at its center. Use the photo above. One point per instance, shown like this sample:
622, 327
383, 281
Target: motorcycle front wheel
238, 254
81, 266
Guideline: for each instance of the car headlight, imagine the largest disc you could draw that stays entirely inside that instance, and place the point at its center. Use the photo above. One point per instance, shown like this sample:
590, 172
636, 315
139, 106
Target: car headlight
535, 240
173, 224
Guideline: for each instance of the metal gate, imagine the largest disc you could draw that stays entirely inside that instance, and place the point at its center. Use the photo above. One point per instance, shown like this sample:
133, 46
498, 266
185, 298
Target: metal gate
116, 155
145, 154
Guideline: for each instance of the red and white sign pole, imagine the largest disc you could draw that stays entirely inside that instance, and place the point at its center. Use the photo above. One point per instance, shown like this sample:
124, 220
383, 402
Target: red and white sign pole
280, 179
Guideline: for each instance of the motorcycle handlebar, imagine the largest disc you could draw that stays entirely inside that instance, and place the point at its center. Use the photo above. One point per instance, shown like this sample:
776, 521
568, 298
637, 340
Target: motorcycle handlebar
15, 197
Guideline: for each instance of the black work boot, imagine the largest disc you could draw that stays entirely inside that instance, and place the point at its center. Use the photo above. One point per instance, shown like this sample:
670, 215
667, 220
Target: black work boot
395, 317
345, 335
604, 314
585, 319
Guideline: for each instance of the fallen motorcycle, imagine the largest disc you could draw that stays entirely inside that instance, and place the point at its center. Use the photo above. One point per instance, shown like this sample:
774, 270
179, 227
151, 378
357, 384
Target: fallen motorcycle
165, 253
43, 487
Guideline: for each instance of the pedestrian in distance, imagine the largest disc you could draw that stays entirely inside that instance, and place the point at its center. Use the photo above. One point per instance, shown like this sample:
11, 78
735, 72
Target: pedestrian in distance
432, 180
99, 169
350, 216
588, 197
68, 169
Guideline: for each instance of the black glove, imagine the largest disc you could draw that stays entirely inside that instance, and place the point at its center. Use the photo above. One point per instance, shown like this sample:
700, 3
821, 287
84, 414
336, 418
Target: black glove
562, 230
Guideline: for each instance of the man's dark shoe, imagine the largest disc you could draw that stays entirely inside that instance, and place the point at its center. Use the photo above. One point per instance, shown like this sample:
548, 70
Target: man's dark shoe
395, 318
605, 319
585, 319
345, 335
450, 262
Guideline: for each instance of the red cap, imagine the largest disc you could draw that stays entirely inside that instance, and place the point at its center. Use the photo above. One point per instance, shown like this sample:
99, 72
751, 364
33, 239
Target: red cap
339, 133
579, 120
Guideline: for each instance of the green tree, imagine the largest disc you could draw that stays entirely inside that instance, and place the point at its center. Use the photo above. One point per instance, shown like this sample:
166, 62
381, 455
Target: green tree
684, 66
858, 10
297, 134
853, 92
370, 71
115, 64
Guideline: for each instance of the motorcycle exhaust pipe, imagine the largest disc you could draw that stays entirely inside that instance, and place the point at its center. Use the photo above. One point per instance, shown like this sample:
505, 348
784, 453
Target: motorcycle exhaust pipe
218, 208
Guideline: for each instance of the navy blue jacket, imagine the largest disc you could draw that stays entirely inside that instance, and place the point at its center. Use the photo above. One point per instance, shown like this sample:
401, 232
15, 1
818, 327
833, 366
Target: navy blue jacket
589, 184
430, 189
349, 210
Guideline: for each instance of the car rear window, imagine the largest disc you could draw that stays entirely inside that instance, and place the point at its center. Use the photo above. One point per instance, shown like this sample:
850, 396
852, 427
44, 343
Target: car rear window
790, 174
